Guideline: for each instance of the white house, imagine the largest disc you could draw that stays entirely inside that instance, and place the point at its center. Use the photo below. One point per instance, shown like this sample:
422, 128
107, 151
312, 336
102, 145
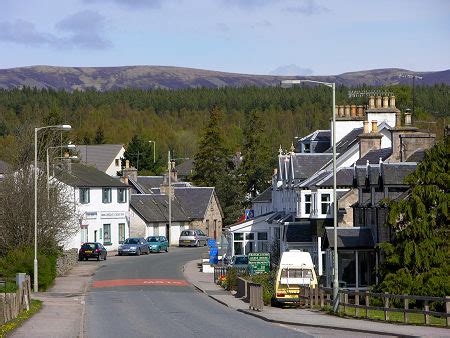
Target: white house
101, 203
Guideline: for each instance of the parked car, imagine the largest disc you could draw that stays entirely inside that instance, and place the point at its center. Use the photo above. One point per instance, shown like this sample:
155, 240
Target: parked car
92, 250
193, 237
157, 243
239, 261
134, 246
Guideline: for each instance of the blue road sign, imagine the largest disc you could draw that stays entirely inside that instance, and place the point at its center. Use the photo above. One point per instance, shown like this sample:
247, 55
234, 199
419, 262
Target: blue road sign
212, 243
213, 256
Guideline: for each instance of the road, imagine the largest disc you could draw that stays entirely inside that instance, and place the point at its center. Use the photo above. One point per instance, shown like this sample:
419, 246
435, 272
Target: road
163, 304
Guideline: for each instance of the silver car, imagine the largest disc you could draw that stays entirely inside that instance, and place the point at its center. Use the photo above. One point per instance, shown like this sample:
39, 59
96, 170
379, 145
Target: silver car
134, 246
193, 237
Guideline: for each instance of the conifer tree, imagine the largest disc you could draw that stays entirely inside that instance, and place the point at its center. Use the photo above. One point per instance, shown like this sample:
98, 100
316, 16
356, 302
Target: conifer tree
257, 161
417, 261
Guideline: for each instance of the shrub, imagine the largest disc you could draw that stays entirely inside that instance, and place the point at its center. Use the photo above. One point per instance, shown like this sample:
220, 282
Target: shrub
267, 281
21, 259
231, 279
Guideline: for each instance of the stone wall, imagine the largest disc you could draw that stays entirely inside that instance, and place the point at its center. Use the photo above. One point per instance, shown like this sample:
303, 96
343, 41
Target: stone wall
66, 261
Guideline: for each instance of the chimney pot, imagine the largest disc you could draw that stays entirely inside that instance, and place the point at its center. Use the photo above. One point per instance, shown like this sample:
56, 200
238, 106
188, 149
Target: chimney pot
341, 111
398, 120
353, 110
378, 102
371, 102
275, 171
347, 111
366, 127
127, 164
408, 119
360, 112
392, 101
385, 101
374, 126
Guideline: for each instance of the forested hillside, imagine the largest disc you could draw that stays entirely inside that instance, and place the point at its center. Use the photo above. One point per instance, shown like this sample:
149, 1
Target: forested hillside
175, 118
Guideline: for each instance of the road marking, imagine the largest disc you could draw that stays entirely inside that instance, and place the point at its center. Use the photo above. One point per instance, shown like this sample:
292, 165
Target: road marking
138, 282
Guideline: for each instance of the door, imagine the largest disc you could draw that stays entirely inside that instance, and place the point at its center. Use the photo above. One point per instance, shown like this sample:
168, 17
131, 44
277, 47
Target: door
168, 233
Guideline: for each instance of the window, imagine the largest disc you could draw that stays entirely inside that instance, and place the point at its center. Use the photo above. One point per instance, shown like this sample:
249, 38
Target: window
307, 148
106, 196
262, 236
207, 224
238, 236
117, 162
106, 234
121, 195
84, 195
325, 204
250, 236
121, 232
262, 245
307, 204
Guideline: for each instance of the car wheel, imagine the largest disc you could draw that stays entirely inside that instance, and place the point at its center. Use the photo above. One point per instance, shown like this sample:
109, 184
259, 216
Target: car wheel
138, 252
167, 248
85, 258
99, 256
159, 250
206, 243
105, 256
197, 244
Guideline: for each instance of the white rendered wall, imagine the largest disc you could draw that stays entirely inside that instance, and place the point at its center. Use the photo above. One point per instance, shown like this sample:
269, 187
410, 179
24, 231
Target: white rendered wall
343, 128
389, 118
113, 168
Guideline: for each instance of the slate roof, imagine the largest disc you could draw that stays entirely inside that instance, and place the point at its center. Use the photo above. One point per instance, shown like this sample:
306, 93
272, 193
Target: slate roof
194, 200
349, 238
265, 196
299, 232
391, 173
82, 175
373, 156
155, 208
318, 135
149, 182
344, 178
186, 168
99, 155
347, 141
307, 164
417, 156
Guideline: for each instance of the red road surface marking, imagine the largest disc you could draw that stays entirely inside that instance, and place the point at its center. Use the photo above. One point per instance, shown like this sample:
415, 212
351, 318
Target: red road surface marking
134, 282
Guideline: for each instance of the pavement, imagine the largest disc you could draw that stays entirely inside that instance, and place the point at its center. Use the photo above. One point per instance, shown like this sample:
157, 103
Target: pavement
63, 305
204, 282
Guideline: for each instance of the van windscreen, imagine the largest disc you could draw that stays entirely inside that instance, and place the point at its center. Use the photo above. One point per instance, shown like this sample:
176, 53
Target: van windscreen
296, 273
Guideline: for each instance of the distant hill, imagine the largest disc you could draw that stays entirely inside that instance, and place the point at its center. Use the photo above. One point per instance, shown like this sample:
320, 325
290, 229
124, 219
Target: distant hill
148, 77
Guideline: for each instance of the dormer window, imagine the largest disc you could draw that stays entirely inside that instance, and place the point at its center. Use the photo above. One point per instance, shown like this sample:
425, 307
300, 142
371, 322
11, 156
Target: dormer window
325, 200
307, 204
307, 148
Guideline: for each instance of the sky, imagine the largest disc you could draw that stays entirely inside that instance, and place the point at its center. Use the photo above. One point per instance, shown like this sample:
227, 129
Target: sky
280, 37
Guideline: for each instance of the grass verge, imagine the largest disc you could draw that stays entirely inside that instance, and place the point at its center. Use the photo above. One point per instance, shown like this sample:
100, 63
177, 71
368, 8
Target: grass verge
23, 316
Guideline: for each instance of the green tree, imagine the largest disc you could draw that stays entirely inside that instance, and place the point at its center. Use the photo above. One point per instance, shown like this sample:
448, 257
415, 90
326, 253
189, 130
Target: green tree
99, 136
418, 259
210, 162
140, 155
256, 166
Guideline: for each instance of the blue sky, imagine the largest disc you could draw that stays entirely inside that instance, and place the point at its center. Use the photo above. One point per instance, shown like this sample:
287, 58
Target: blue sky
286, 37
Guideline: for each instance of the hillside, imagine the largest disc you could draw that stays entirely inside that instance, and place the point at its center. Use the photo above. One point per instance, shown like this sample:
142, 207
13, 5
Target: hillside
148, 77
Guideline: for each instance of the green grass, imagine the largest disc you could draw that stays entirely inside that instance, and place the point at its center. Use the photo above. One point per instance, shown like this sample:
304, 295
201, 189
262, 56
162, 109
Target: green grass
23, 316
396, 317
9, 287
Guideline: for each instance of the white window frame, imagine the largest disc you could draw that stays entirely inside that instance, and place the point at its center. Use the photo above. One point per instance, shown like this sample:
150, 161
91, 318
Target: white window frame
87, 193
122, 195
109, 199
326, 204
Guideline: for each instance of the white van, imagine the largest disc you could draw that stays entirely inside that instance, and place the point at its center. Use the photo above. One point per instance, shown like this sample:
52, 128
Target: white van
296, 269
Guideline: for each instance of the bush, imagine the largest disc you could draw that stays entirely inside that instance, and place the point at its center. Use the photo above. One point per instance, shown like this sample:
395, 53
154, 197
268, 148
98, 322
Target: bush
21, 259
231, 279
267, 281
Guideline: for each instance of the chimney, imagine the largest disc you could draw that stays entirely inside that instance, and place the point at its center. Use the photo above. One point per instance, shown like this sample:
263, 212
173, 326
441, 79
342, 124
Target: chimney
124, 180
353, 110
392, 101
369, 140
378, 102
67, 164
164, 188
371, 102
374, 126
129, 172
398, 120
385, 101
408, 118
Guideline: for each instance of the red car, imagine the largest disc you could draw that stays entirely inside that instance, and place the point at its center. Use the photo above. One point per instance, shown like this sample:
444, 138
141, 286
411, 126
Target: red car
92, 250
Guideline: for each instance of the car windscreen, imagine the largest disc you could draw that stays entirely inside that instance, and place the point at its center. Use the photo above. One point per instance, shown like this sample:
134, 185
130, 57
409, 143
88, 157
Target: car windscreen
241, 260
88, 246
152, 239
132, 241
187, 233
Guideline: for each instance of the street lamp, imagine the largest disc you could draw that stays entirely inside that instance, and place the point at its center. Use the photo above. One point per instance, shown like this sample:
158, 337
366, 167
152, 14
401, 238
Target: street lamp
154, 150
332, 85
69, 146
57, 127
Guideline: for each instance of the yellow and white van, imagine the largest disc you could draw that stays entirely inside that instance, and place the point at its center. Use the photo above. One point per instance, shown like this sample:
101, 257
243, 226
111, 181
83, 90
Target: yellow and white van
296, 269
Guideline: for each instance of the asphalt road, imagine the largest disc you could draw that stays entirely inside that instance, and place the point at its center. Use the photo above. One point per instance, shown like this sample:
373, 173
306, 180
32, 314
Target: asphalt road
154, 310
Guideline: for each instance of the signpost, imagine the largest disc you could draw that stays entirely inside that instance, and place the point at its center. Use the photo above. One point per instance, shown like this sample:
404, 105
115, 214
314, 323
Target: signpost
212, 243
259, 262
213, 256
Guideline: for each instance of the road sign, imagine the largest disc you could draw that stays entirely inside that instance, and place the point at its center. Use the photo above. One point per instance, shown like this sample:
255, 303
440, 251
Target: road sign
213, 256
212, 243
259, 262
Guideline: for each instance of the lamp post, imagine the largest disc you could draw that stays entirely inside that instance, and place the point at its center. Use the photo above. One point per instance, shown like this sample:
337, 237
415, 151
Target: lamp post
154, 150
69, 146
332, 85
35, 263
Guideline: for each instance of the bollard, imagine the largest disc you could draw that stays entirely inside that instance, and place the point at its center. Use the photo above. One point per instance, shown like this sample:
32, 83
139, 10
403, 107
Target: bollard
406, 307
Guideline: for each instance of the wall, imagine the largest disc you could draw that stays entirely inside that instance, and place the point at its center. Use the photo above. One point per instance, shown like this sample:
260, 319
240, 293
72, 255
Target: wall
344, 127
66, 261
138, 227
213, 213
113, 168
346, 202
